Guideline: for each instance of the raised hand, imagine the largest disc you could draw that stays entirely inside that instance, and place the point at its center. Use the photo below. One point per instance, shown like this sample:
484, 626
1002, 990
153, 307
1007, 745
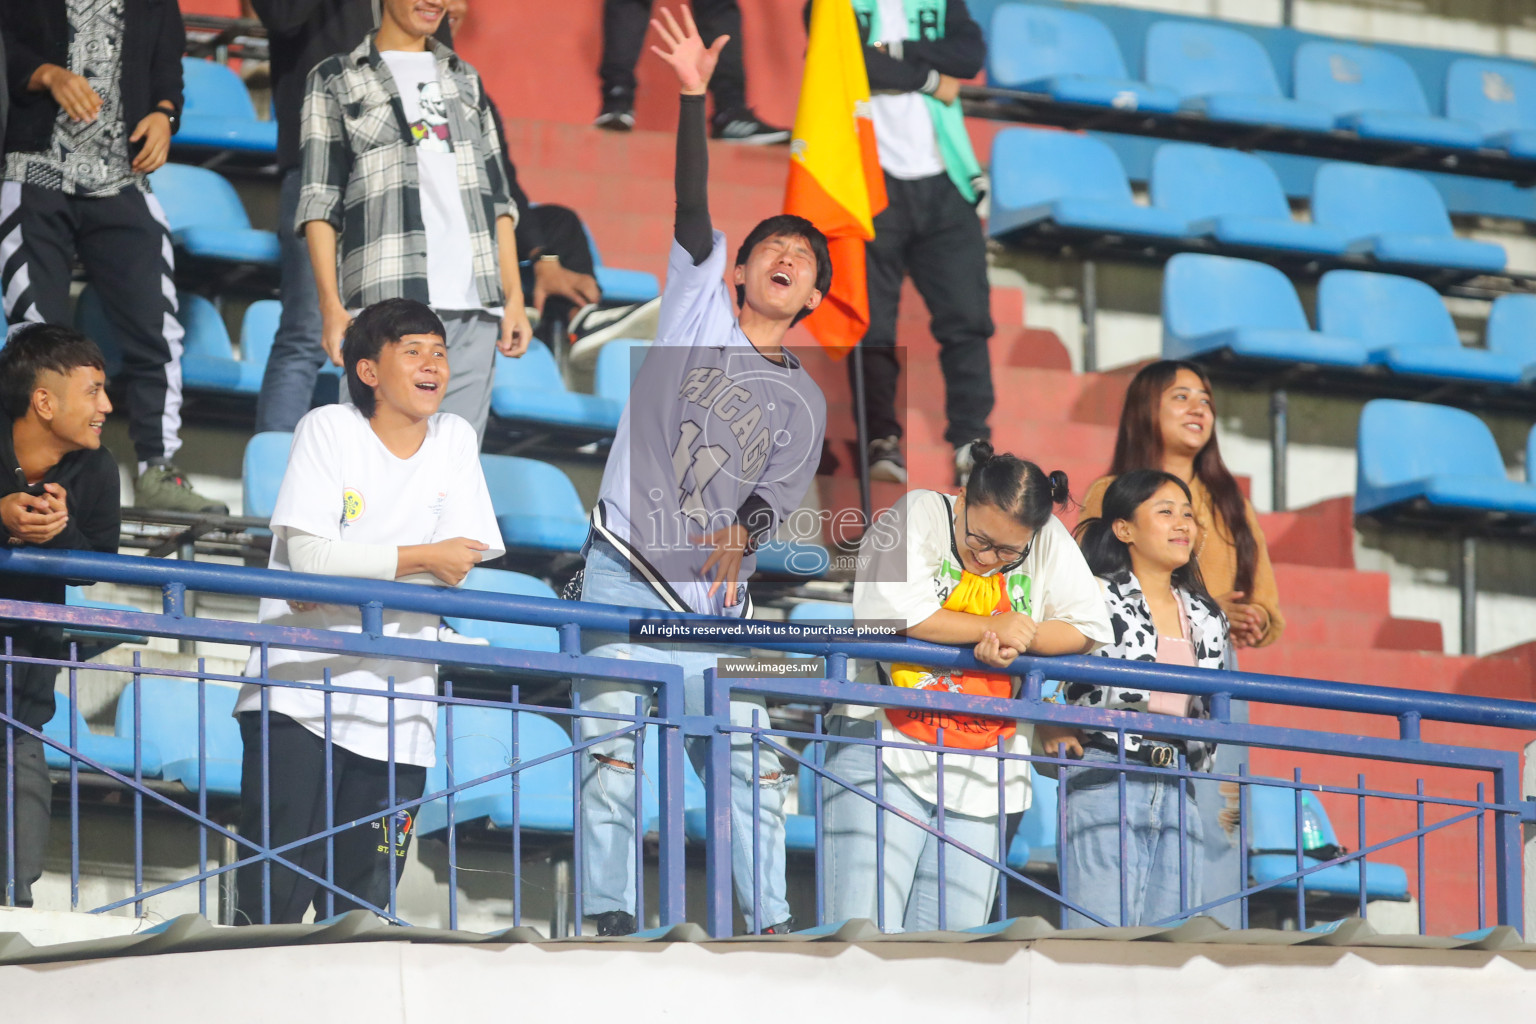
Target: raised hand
685, 51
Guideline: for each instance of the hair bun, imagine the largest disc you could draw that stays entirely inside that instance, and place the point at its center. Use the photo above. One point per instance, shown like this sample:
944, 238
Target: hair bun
981, 452
1060, 495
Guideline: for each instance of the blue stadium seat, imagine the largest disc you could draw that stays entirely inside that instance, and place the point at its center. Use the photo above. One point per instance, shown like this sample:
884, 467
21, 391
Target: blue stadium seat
536, 504
219, 113
1375, 94
821, 611
618, 285
1406, 327
1248, 210
482, 744
1068, 180
1069, 56
793, 558
93, 642
1035, 840
1272, 838
114, 752
169, 718
1217, 304
1433, 457
1530, 459
1512, 330
207, 219
529, 392
261, 476
617, 364
1225, 74
507, 634
1499, 96
1396, 216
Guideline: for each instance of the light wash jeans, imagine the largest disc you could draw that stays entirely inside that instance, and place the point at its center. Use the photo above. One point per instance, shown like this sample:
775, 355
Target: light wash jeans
608, 792
911, 854
1090, 848
297, 355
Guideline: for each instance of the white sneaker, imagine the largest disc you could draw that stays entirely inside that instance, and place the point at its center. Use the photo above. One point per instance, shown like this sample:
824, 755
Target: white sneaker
593, 327
448, 635
963, 463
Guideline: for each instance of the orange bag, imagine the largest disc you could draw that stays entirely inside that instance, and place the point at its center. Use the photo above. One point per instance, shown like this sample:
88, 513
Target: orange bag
978, 595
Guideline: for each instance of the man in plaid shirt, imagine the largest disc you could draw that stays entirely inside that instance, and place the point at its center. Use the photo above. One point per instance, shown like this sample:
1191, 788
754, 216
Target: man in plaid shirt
402, 179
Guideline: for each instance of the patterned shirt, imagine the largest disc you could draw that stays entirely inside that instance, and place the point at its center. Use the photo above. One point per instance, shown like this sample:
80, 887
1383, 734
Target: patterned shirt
87, 158
360, 174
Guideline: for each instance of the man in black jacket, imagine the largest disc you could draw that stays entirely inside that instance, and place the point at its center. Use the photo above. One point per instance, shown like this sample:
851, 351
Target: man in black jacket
917, 52
58, 489
95, 97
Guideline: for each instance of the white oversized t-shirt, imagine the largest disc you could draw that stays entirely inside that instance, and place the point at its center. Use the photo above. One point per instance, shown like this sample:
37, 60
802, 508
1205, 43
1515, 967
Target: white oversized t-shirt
450, 261
904, 133
342, 484
899, 579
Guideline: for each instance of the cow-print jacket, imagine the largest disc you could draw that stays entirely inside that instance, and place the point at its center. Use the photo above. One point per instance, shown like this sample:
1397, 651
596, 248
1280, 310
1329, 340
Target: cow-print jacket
1136, 640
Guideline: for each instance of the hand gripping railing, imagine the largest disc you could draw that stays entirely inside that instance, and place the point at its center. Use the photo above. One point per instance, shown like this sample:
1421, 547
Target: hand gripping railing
1407, 707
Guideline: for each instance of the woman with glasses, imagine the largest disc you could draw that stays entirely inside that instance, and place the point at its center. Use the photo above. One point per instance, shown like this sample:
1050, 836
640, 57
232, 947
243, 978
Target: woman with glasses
990, 569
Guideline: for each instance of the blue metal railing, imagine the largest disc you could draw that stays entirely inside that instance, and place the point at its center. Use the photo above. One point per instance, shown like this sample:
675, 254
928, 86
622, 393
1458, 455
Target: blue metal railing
1501, 812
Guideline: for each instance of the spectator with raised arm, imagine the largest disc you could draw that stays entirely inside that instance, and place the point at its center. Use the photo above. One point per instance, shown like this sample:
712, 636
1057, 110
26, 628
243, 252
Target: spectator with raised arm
59, 490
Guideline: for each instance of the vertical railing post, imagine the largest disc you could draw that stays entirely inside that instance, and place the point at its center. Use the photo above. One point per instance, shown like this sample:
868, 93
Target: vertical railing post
671, 900
717, 807
1506, 843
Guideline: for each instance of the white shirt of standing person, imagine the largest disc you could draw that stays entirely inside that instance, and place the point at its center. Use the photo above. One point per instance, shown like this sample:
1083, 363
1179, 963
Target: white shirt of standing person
898, 580
342, 484
904, 134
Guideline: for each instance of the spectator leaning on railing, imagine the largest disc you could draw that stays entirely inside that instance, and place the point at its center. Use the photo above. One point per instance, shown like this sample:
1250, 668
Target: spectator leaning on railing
385, 488
990, 568
60, 490
1141, 548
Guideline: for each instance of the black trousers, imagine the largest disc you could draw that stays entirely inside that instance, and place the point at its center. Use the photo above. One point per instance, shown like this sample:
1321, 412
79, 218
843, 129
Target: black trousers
33, 812
296, 784
626, 22
929, 231
125, 245
561, 234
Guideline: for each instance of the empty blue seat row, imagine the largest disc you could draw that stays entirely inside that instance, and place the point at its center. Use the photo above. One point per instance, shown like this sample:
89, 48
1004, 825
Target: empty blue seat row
1432, 459
1217, 304
208, 221
1272, 839
219, 114
1225, 74
529, 393
1065, 181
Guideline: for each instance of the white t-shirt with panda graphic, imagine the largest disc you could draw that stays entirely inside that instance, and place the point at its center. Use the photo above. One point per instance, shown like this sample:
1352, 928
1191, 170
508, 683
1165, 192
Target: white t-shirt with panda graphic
450, 261
342, 484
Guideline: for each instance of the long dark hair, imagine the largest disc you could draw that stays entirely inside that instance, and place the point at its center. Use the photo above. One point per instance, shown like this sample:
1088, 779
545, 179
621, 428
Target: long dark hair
1108, 555
1016, 486
1139, 445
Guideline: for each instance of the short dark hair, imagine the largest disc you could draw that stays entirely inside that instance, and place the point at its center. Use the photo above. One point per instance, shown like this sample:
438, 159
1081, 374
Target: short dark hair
33, 348
1014, 486
787, 225
382, 323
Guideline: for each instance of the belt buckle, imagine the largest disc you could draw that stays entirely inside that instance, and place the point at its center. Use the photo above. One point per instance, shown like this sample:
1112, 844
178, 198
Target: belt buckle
1162, 756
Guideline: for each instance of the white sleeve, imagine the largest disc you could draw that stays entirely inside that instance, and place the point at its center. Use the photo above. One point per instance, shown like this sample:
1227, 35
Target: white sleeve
310, 498
468, 511
1069, 591
308, 553
899, 559
695, 297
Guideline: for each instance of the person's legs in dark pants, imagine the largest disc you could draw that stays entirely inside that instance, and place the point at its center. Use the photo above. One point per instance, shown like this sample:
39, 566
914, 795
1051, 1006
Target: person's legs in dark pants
947, 259
297, 355
37, 253
625, 23
563, 235
295, 793
366, 865
728, 85
884, 267
32, 815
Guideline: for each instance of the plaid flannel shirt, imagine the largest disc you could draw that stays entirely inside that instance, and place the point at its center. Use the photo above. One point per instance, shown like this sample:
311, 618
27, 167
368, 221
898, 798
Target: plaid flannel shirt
360, 174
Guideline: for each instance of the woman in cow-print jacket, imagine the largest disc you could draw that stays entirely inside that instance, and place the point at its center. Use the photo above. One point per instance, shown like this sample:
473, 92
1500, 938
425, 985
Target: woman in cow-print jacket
1141, 549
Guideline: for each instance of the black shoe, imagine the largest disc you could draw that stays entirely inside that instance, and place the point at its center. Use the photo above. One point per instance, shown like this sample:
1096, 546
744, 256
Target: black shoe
784, 927
616, 922
886, 461
743, 126
618, 113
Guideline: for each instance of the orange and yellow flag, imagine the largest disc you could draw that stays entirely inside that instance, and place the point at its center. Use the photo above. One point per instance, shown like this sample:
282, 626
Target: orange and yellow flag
835, 180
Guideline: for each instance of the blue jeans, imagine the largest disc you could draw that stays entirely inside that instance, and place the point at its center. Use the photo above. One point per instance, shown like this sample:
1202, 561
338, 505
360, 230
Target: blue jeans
1090, 848
608, 790
297, 355
911, 854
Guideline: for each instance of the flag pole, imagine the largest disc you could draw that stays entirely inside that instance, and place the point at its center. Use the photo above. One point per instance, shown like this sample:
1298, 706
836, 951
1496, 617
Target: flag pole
861, 431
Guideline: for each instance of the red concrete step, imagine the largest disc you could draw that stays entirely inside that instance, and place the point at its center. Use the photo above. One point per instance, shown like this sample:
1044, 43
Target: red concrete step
1312, 586
1342, 628
1321, 534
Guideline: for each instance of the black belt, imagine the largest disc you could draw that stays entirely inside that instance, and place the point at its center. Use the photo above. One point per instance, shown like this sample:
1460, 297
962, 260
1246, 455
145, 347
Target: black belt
1150, 753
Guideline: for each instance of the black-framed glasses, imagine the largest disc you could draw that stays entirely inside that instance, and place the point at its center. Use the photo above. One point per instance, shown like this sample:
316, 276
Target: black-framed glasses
981, 545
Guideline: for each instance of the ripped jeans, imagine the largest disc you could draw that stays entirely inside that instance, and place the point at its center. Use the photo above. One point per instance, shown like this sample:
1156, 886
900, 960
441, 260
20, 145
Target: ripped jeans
608, 790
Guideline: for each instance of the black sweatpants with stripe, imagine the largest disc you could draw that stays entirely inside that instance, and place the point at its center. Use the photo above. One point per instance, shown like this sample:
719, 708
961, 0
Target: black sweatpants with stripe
125, 245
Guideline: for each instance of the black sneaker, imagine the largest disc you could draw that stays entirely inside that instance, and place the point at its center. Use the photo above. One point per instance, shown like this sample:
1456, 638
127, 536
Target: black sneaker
784, 927
886, 461
744, 126
595, 326
618, 113
616, 922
